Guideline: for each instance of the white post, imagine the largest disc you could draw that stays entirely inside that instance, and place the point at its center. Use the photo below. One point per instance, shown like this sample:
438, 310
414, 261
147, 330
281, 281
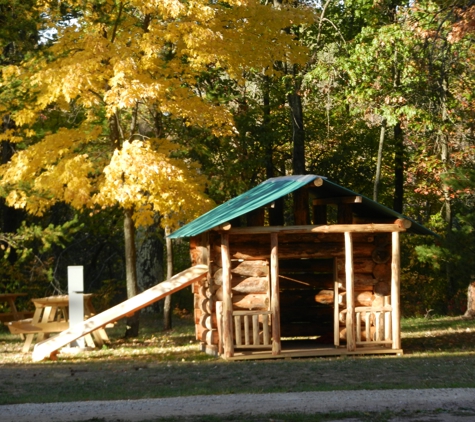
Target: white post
76, 299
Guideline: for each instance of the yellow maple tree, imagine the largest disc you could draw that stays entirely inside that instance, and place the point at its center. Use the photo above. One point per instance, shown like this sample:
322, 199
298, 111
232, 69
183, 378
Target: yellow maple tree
114, 69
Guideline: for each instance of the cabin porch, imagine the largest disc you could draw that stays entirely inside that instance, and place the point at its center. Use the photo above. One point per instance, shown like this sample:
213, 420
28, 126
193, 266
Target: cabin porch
309, 349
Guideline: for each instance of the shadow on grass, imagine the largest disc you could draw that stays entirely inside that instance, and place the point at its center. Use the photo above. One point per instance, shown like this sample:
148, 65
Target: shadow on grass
455, 342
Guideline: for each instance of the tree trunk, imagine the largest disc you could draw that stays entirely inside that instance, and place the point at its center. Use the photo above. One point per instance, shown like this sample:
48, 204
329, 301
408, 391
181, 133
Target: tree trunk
470, 313
149, 246
267, 132
398, 168
298, 133
167, 306
379, 161
443, 139
131, 272
298, 153
276, 212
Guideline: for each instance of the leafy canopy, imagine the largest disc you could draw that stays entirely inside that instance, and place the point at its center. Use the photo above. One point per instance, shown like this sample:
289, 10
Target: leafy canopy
113, 70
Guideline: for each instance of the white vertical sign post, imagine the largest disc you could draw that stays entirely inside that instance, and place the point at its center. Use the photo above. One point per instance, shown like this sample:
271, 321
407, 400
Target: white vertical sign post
76, 299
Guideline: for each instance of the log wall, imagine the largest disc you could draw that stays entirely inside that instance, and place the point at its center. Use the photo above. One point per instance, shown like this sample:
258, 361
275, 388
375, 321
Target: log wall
307, 267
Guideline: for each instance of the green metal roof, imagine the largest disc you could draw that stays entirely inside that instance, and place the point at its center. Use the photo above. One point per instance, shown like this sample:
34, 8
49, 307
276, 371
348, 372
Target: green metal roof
277, 187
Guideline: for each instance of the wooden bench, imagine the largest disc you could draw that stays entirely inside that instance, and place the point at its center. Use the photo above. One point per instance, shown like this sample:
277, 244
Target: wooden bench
52, 316
14, 314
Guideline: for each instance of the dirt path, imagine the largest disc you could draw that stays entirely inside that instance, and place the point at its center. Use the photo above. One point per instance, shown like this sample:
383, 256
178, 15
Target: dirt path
450, 400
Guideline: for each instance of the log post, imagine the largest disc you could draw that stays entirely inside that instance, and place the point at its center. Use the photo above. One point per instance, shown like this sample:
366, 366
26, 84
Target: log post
301, 216
395, 290
227, 301
336, 304
219, 317
350, 294
275, 300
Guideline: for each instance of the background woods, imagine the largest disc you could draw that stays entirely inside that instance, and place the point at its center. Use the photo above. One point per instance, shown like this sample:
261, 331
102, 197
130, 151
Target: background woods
121, 119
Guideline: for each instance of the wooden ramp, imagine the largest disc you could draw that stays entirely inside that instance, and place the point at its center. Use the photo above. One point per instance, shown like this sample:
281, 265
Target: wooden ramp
49, 348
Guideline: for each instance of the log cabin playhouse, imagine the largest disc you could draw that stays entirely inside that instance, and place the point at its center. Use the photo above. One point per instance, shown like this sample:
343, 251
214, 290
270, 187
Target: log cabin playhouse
274, 291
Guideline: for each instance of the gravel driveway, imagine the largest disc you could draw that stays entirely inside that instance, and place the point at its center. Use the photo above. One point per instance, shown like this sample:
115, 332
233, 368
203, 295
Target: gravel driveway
449, 400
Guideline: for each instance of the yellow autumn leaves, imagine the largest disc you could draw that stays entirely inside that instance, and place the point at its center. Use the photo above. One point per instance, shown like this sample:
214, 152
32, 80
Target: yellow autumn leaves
170, 191
116, 66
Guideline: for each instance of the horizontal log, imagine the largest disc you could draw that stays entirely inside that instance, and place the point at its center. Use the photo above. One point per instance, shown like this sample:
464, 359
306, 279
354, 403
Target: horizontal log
326, 250
401, 222
208, 321
318, 238
382, 288
381, 255
249, 268
363, 333
361, 281
290, 238
357, 288
258, 268
361, 298
360, 266
382, 272
217, 277
199, 255
251, 302
206, 305
251, 285
325, 297
240, 285
335, 228
210, 336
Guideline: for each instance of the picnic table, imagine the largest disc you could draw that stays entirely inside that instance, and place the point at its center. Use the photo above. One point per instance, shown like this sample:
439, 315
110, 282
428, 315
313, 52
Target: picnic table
52, 316
14, 314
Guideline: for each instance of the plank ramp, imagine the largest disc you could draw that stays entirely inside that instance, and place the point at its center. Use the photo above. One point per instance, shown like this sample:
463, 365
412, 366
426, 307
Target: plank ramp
49, 348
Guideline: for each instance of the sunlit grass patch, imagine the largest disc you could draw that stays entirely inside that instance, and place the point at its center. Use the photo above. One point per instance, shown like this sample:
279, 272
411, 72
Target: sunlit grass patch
153, 343
438, 335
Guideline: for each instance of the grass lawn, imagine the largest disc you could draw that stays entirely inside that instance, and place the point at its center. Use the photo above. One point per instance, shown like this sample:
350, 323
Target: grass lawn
439, 352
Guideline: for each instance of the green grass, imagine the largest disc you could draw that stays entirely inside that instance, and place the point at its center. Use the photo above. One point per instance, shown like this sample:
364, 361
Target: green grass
439, 353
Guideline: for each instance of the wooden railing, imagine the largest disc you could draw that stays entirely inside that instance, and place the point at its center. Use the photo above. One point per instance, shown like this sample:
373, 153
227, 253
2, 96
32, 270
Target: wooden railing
380, 332
252, 329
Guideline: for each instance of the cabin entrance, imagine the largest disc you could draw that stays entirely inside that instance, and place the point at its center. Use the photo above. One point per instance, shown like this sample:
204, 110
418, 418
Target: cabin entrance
306, 288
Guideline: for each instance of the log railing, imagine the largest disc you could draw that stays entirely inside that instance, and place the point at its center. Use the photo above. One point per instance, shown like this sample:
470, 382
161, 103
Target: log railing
252, 329
380, 332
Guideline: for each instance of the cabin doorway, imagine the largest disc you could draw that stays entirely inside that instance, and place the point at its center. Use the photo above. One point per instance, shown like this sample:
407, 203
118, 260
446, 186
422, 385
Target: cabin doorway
306, 288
